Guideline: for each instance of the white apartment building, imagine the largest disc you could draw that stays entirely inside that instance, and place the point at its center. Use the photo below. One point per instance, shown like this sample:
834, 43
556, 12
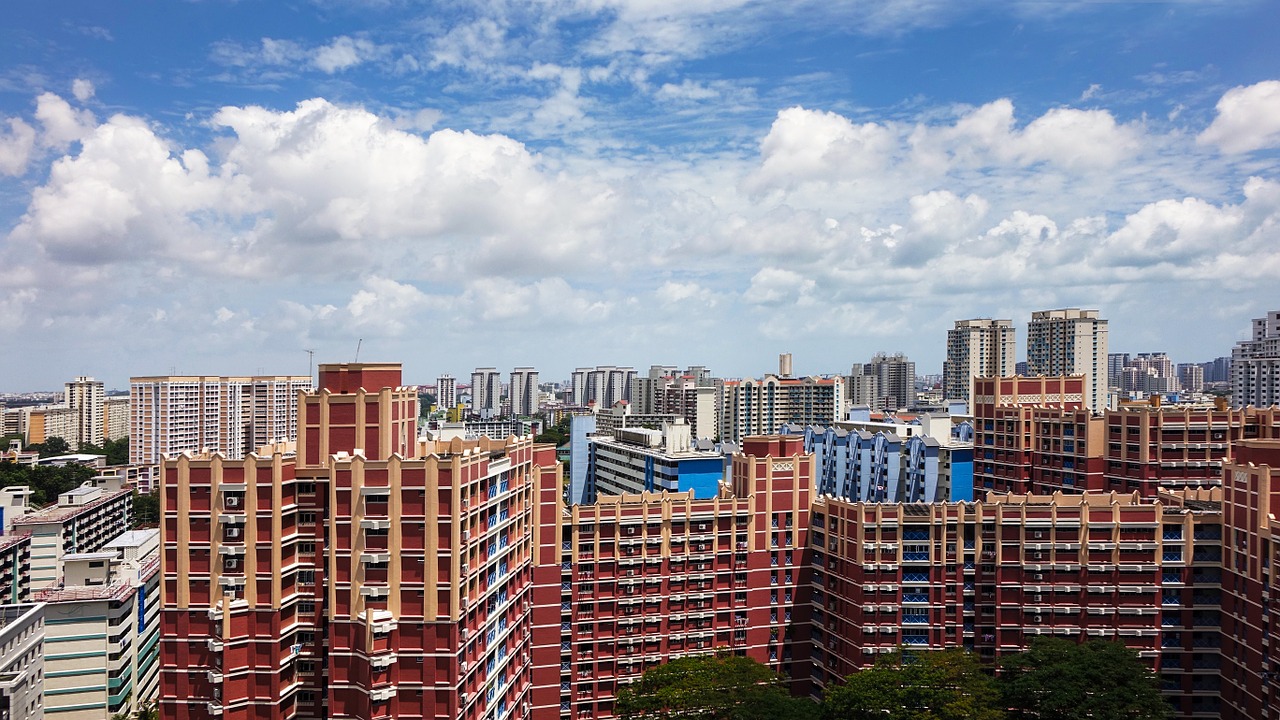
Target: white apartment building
524, 391
1255, 365
1070, 341
115, 417
760, 407
978, 348
102, 630
84, 520
22, 661
446, 392
230, 415
486, 392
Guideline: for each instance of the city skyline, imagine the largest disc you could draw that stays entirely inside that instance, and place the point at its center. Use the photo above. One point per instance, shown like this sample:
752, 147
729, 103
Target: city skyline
598, 183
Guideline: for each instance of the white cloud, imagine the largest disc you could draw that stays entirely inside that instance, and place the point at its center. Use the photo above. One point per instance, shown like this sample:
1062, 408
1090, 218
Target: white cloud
16, 145
807, 145
1248, 119
62, 123
82, 89
342, 53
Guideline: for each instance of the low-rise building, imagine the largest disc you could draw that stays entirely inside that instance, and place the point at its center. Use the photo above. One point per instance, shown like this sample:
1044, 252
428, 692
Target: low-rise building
635, 460
83, 520
102, 634
22, 661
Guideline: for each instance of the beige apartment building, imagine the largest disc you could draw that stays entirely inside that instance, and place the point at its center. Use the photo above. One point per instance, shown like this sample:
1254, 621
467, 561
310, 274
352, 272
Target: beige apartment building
228, 415
1070, 341
978, 348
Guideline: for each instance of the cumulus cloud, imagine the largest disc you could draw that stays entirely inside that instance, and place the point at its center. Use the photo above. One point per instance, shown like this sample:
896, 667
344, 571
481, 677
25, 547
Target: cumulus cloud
82, 89
62, 123
16, 144
342, 53
1248, 119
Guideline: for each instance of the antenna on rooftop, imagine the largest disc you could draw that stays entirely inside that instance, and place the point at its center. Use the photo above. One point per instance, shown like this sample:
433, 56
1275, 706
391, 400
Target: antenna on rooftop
359, 342
311, 362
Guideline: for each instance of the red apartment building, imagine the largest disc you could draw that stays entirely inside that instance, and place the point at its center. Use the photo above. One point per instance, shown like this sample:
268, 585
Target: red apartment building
635, 580
1150, 446
1033, 433
1251, 581
367, 575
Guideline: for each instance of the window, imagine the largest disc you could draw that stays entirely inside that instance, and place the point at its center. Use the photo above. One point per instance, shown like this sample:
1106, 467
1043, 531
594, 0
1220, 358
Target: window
307, 518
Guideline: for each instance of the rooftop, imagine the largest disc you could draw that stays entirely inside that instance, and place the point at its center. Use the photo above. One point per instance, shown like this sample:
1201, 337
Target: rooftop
132, 538
58, 513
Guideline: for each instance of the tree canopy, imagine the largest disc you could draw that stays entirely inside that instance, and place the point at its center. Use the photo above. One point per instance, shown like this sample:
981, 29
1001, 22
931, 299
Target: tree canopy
712, 688
46, 481
906, 685
557, 434
117, 451
1060, 680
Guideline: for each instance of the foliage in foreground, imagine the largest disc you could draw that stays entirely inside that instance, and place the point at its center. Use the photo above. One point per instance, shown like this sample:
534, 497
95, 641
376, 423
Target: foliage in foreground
946, 685
1059, 680
713, 688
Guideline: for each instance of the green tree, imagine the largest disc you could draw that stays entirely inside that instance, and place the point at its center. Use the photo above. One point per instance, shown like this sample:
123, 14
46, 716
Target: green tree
721, 687
54, 446
46, 481
557, 434
1060, 680
906, 685
146, 509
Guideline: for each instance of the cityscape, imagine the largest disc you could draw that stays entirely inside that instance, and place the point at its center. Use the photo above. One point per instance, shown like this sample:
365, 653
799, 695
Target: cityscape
640, 360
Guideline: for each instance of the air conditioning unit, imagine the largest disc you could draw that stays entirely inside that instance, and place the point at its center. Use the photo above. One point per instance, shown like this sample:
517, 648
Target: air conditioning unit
1038, 534
631, 530
1039, 619
232, 563
1039, 556
233, 501
233, 532
1039, 576
1037, 598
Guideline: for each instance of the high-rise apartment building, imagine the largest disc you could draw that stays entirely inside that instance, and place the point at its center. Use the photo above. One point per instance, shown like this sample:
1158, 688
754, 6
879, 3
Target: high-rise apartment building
1070, 342
84, 520
1032, 432
364, 575
1255, 365
977, 348
895, 380
631, 581
486, 392
84, 396
115, 417
446, 391
1116, 363
524, 391
603, 385
1191, 377
228, 415
760, 407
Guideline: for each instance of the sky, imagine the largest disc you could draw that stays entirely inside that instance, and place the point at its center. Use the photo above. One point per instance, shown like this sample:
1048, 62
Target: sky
220, 187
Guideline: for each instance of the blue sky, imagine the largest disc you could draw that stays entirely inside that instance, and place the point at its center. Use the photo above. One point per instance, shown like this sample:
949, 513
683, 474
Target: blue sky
213, 187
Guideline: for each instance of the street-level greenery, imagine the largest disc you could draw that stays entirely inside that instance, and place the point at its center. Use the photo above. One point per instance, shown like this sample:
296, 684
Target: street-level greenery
1053, 680
721, 687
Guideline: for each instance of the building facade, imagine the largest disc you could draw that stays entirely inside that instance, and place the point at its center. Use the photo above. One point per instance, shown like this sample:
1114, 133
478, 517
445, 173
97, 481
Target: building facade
632, 581
1070, 342
1255, 365
524, 392
446, 391
894, 381
364, 574
15, 569
486, 393
977, 348
22, 661
636, 460
227, 415
759, 407
84, 520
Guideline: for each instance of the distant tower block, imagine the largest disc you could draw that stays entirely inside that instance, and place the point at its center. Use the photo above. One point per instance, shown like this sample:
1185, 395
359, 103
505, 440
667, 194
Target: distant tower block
784, 364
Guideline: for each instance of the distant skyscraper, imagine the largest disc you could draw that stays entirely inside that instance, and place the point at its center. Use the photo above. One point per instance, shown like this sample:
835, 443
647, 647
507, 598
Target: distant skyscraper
1116, 363
524, 391
84, 397
486, 392
446, 391
604, 385
978, 348
896, 381
1191, 377
784, 365
1255, 365
1070, 342
229, 415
